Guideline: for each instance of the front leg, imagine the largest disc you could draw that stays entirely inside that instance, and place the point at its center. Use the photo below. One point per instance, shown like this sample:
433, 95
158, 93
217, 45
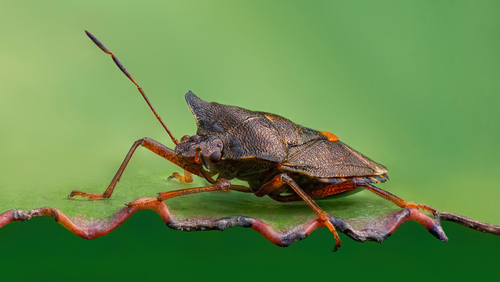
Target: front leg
187, 178
281, 179
149, 144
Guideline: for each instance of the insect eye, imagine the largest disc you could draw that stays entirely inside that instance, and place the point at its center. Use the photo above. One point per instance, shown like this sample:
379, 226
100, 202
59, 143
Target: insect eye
215, 157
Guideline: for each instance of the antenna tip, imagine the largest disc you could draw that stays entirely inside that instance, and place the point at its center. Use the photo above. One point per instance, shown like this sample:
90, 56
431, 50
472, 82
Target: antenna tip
89, 35
98, 43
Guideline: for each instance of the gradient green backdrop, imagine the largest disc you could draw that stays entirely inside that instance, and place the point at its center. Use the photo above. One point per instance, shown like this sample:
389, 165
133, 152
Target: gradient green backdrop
412, 84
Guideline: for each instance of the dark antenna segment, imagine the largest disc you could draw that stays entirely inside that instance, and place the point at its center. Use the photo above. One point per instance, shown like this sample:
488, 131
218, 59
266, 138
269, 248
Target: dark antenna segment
117, 62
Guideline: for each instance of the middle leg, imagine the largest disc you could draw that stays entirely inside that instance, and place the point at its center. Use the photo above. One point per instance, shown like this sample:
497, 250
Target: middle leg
220, 185
281, 179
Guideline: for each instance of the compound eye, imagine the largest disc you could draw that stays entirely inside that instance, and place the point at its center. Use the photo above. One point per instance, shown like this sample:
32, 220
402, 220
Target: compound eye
215, 157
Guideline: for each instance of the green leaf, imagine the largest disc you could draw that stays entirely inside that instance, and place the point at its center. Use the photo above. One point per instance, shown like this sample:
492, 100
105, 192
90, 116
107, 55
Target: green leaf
362, 216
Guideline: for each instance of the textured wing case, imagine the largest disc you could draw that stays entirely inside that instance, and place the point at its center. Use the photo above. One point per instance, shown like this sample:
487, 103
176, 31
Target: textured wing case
246, 133
324, 158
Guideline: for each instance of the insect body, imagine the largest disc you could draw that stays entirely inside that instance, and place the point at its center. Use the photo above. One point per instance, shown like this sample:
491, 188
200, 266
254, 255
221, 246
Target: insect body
277, 157
257, 146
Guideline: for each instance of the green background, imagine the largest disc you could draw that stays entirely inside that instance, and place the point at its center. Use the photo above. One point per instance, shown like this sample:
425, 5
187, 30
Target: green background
413, 85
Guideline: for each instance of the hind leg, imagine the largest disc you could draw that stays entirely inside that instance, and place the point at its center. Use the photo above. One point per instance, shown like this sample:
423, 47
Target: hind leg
352, 184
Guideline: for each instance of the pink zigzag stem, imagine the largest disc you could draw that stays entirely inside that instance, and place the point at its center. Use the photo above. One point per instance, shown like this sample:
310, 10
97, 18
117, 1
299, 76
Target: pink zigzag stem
381, 231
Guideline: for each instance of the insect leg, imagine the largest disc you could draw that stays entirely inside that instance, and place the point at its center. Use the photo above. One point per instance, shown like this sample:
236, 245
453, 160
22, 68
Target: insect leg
348, 185
397, 200
151, 145
241, 188
188, 176
220, 185
319, 192
278, 181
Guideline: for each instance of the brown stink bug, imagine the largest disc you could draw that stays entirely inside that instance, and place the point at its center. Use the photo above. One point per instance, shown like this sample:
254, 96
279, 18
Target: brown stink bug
277, 157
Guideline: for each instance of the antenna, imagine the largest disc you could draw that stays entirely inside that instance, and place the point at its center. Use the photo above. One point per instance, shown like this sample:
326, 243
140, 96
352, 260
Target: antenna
115, 59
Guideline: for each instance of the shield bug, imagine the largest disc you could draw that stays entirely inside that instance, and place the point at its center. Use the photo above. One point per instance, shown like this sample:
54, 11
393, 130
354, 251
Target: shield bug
276, 157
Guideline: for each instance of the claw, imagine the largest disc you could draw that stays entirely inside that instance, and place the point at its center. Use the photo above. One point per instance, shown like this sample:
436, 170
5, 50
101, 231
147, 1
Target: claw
423, 207
144, 202
429, 209
77, 193
175, 175
330, 226
187, 178
337, 246
132, 205
85, 194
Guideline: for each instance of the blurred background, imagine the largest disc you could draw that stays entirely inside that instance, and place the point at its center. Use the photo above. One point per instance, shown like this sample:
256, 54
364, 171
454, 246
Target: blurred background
411, 85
